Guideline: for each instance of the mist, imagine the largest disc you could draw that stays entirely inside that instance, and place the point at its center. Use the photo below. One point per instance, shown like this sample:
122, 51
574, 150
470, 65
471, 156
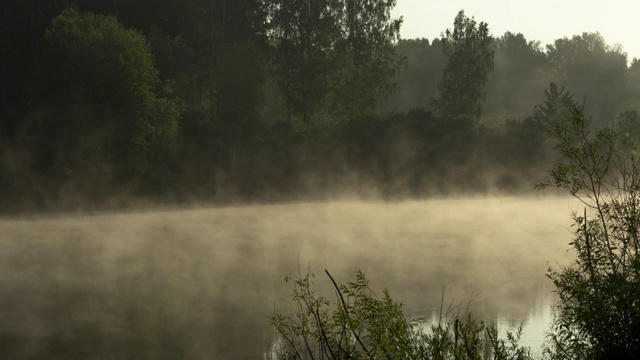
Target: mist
199, 283
163, 168
250, 123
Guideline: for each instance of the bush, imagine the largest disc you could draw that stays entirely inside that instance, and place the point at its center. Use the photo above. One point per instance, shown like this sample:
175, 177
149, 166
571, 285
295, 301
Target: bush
598, 316
361, 325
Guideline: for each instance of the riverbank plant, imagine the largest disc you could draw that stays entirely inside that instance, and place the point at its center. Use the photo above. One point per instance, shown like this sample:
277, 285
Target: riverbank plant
598, 315
358, 324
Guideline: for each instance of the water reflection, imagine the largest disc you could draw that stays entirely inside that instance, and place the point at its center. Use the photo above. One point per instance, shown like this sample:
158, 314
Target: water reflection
200, 283
534, 326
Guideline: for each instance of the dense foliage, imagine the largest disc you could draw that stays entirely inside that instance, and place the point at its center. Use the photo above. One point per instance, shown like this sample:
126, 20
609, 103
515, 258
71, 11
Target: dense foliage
99, 99
470, 60
333, 58
226, 100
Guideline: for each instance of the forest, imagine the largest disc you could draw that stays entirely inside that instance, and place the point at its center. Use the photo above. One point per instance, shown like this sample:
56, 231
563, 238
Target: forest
116, 103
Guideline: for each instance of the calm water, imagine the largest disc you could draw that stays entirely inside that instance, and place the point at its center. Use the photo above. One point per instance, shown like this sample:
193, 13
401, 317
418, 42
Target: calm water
199, 284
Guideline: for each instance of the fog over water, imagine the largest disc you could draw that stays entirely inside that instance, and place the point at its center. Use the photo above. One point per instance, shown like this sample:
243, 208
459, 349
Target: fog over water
199, 283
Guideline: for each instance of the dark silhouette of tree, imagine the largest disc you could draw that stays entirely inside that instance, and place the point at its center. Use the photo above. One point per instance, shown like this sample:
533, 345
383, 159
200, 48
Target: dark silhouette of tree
215, 51
368, 63
304, 35
520, 73
22, 27
333, 56
470, 60
633, 85
418, 81
593, 71
239, 66
628, 127
101, 101
554, 108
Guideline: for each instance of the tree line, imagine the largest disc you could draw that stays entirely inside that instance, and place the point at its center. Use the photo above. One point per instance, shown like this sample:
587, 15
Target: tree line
598, 74
221, 100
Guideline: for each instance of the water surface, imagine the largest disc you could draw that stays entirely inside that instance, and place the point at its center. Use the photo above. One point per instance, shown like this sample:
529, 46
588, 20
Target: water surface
199, 283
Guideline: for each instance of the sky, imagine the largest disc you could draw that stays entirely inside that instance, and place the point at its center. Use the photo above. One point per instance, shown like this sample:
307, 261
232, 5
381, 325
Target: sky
542, 20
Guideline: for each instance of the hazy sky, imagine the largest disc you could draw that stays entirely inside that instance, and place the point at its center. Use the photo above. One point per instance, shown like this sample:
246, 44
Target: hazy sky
543, 20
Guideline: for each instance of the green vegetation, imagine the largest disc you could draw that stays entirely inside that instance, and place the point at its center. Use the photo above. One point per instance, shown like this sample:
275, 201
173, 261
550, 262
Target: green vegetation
360, 325
470, 61
599, 310
598, 313
333, 58
111, 102
101, 109
225, 100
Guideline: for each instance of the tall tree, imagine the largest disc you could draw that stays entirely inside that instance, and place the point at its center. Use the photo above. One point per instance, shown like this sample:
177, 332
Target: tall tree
216, 51
22, 27
304, 34
418, 82
368, 62
592, 70
633, 85
334, 54
521, 72
555, 107
102, 102
628, 126
470, 61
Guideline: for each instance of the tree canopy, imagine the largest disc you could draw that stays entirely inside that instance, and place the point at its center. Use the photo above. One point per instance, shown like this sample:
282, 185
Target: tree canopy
470, 60
192, 98
596, 72
334, 55
105, 102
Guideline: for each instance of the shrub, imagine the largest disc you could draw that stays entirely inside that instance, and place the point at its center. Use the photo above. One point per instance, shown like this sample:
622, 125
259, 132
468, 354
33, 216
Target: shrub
361, 325
598, 315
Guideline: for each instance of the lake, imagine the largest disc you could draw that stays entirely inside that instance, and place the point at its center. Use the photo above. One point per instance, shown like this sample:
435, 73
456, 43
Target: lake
199, 283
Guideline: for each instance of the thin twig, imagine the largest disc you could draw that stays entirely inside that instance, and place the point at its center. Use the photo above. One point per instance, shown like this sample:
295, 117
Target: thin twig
346, 311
